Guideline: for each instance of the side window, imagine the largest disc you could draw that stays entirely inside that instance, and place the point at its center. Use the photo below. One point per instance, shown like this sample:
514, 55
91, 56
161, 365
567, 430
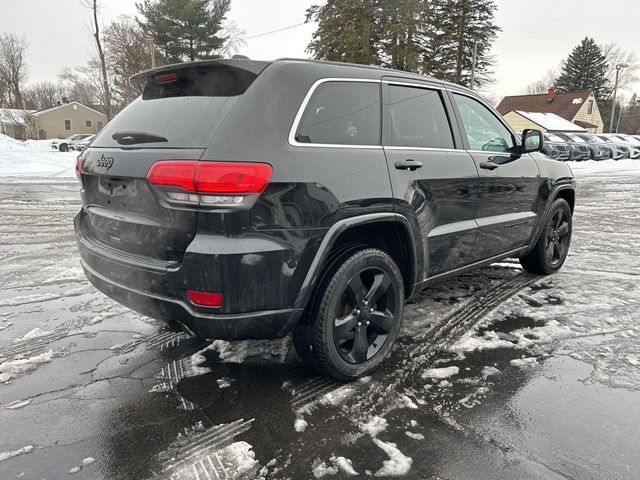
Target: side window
67, 124
417, 118
483, 129
342, 113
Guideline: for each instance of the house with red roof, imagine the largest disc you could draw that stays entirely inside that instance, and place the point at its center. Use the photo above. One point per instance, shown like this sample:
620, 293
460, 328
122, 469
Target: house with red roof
579, 108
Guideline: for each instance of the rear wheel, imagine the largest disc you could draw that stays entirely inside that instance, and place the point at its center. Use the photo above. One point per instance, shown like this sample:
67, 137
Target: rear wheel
355, 316
552, 247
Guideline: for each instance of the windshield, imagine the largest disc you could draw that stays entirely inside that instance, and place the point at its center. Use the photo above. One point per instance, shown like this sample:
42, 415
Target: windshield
553, 138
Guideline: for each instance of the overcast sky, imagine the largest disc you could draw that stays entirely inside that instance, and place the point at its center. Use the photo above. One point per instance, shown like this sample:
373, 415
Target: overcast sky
535, 35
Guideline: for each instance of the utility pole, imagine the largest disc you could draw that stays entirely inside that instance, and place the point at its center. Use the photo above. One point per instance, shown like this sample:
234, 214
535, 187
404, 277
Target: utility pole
619, 117
473, 64
153, 56
619, 67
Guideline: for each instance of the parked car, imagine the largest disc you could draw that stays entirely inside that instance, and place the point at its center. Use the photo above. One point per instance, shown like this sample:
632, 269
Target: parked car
629, 141
81, 144
578, 149
556, 149
243, 199
63, 144
599, 150
625, 147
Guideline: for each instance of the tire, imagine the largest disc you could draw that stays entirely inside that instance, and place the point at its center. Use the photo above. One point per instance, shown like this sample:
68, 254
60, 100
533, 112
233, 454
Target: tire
301, 339
63, 147
355, 315
550, 251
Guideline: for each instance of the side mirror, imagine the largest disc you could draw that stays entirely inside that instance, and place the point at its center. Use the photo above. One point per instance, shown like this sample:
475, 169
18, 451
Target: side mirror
532, 141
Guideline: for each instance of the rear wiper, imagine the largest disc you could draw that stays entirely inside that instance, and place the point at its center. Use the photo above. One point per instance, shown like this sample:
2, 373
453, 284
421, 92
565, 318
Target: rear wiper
131, 138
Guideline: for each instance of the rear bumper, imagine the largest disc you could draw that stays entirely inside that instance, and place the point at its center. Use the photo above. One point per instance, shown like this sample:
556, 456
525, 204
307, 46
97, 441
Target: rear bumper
259, 288
257, 325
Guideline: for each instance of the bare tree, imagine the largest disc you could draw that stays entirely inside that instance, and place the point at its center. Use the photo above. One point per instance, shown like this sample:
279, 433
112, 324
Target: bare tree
543, 85
43, 95
84, 84
93, 5
13, 69
234, 39
615, 56
128, 51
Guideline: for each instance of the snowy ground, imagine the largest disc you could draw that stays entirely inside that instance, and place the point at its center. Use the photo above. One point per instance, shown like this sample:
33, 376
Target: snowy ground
497, 374
34, 158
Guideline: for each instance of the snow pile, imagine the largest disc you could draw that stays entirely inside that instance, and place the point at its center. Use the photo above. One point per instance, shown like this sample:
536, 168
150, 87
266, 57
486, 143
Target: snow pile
440, 373
9, 370
608, 168
34, 159
7, 455
398, 463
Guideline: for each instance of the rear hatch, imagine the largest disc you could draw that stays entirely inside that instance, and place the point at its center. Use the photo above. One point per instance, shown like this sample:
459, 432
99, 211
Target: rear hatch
175, 118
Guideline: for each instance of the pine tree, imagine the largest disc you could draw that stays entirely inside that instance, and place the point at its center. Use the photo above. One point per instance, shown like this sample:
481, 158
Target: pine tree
184, 30
456, 25
585, 69
435, 37
348, 31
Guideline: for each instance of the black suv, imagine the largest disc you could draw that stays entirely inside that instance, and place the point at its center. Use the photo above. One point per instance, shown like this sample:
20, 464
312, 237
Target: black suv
242, 199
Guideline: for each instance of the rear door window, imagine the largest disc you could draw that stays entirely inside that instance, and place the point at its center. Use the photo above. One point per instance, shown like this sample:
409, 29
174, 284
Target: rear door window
417, 118
342, 113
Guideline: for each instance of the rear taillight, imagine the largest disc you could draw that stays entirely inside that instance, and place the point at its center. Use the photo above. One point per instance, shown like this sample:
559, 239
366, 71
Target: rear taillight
209, 183
205, 299
79, 161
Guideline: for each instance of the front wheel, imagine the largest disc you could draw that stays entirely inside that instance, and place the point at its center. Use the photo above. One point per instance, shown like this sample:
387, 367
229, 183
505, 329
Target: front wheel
63, 147
550, 251
355, 316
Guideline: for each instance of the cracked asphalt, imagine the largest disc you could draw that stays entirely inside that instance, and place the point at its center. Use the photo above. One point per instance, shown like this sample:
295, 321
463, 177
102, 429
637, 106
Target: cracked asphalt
497, 374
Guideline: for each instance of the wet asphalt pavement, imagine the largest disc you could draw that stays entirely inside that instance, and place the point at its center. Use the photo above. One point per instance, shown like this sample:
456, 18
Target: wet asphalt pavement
497, 374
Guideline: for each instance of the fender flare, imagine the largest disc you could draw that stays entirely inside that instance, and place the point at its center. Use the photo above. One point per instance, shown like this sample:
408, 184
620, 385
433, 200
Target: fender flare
553, 195
329, 240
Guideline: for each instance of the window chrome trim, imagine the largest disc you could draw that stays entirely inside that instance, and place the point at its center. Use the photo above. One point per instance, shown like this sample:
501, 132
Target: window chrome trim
292, 133
417, 85
426, 149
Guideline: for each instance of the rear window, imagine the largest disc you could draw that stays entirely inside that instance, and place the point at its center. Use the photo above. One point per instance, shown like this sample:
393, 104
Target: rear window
178, 109
342, 113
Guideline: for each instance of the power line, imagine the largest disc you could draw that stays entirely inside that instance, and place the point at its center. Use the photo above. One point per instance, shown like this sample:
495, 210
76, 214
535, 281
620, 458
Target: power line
273, 31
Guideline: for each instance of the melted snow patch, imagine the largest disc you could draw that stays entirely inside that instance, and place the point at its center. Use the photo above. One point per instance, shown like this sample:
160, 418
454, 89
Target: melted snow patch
528, 362
9, 370
470, 342
238, 352
35, 333
374, 426
321, 469
337, 396
415, 436
440, 373
7, 455
17, 404
300, 424
488, 371
398, 463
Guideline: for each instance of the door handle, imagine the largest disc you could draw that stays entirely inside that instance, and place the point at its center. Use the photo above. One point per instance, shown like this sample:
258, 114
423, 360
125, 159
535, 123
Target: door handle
408, 164
489, 165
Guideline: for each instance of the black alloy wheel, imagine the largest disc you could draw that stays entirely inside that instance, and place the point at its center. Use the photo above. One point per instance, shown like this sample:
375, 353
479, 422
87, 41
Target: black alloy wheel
364, 315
